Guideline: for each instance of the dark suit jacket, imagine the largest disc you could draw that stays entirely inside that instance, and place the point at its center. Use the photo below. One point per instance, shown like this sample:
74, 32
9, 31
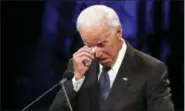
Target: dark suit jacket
146, 87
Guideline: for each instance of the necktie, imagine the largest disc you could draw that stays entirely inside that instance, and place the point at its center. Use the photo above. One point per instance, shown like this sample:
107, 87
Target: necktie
104, 83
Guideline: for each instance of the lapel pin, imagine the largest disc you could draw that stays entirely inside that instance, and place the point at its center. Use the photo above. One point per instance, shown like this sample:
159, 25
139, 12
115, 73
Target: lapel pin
125, 79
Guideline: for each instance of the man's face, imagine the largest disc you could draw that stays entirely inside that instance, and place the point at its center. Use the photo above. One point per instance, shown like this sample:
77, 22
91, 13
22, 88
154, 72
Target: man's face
105, 41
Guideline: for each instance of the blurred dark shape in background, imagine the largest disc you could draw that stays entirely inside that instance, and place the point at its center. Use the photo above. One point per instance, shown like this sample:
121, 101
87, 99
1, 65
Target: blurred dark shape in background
39, 37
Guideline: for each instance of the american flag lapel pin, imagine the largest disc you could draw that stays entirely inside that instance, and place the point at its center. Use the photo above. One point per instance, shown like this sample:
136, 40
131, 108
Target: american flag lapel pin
125, 79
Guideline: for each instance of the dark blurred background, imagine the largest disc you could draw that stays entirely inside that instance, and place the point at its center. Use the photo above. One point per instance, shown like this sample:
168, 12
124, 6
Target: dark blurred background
39, 37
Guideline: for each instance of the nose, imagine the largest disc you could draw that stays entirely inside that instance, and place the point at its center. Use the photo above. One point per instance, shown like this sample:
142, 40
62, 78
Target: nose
98, 52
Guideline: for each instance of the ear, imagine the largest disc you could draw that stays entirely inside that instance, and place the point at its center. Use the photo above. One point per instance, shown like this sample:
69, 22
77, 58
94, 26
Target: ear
119, 31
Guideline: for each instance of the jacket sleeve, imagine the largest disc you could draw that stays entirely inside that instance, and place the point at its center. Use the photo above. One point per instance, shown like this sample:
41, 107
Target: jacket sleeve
59, 103
158, 90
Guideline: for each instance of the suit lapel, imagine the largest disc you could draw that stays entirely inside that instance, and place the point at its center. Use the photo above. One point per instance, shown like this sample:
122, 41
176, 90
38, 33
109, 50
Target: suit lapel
121, 81
93, 86
92, 74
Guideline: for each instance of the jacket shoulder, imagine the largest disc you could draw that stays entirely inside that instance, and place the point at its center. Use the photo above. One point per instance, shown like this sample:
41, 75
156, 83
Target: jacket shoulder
147, 60
149, 64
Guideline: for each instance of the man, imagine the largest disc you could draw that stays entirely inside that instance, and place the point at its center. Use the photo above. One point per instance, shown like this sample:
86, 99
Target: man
109, 74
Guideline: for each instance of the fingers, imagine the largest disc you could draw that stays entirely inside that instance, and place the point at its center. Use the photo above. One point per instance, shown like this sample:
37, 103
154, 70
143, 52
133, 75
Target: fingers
84, 55
86, 49
87, 54
82, 59
86, 61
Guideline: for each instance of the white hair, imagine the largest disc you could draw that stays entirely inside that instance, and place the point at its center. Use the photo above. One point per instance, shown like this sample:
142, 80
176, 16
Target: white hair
94, 14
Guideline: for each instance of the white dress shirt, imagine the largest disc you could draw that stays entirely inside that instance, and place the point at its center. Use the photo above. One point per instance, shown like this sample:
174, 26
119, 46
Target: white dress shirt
112, 72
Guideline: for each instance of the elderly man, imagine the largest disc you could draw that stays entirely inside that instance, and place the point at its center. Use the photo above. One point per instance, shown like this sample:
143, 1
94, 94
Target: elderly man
109, 74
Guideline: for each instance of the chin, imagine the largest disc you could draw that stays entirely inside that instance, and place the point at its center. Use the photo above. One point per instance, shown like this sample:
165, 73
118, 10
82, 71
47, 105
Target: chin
107, 65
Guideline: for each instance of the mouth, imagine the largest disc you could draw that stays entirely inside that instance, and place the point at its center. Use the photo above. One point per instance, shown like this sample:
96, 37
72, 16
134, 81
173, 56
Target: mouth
103, 61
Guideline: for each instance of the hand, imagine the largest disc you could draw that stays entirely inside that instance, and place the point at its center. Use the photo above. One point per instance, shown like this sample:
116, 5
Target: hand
81, 61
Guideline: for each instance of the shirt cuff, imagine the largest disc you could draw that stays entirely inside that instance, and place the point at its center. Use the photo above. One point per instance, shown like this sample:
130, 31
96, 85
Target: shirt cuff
77, 83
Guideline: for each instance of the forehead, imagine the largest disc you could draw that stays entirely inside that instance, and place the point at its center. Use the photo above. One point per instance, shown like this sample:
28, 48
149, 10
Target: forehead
94, 35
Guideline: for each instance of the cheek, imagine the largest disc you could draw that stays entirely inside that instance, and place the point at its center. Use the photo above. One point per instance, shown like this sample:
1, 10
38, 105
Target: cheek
108, 53
111, 52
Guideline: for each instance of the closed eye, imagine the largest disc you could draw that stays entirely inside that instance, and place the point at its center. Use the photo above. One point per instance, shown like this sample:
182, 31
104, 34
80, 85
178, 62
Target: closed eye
102, 44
